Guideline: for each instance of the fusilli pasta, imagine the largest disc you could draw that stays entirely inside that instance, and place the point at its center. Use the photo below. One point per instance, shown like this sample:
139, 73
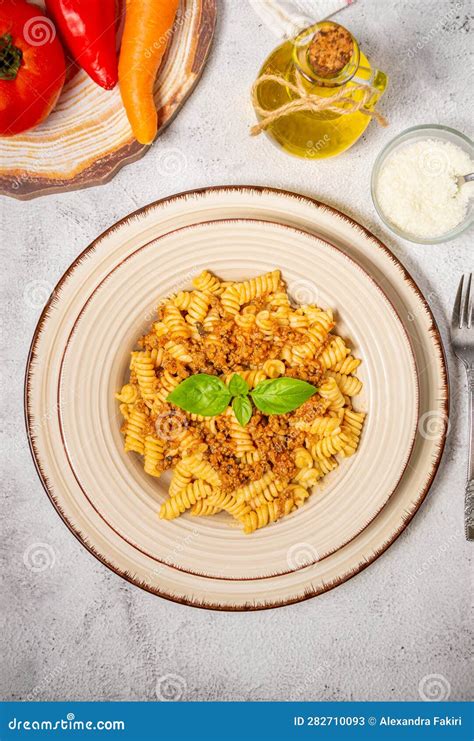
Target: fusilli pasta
260, 472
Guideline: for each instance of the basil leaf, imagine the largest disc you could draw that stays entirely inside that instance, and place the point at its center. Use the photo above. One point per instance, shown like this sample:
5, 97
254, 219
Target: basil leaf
281, 395
237, 386
201, 394
242, 409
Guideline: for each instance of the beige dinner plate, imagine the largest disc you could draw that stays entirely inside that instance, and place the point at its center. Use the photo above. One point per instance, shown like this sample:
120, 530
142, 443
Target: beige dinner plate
79, 358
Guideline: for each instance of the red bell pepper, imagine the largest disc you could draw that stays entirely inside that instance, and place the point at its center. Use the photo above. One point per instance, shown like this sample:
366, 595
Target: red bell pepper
32, 67
87, 28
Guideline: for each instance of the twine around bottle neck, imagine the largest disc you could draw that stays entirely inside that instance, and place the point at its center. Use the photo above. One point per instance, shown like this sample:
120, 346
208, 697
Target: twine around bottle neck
341, 102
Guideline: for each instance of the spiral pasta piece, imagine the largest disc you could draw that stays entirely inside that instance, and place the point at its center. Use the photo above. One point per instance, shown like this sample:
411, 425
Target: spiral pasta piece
198, 308
279, 300
240, 435
326, 465
308, 476
178, 351
297, 320
174, 506
230, 300
329, 445
134, 432
269, 512
210, 320
175, 322
354, 421
274, 368
153, 455
144, 368
265, 323
303, 458
304, 351
190, 441
298, 494
349, 385
207, 282
229, 504
319, 425
330, 390
202, 508
202, 469
167, 383
128, 394
250, 490
334, 353
347, 366
246, 321
181, 477
270, 492
259, 286
242, 293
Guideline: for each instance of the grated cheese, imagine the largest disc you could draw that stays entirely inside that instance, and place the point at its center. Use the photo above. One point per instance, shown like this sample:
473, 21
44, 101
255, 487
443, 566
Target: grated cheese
417, 187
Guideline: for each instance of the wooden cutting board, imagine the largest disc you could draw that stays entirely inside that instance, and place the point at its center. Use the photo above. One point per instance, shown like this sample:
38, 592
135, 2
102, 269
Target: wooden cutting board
87, 138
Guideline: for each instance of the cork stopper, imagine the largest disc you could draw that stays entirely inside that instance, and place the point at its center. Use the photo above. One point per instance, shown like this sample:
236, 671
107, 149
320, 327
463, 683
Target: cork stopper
330, 50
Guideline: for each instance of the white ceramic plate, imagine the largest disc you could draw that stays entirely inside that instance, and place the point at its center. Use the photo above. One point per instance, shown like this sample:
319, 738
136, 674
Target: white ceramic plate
79, 356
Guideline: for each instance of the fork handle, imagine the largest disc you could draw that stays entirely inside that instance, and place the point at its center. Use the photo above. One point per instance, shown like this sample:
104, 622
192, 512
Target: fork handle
469, 500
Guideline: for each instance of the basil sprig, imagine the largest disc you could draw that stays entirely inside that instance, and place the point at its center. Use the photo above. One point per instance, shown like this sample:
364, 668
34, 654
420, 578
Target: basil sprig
208, 395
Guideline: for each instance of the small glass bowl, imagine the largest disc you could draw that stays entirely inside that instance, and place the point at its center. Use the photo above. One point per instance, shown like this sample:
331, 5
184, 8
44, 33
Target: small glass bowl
428, 131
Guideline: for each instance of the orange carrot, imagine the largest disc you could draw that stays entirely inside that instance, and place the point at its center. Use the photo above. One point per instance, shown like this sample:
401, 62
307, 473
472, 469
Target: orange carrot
148, 28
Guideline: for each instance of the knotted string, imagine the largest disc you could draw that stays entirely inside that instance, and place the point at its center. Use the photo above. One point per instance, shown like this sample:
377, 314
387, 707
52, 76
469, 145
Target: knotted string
341, 102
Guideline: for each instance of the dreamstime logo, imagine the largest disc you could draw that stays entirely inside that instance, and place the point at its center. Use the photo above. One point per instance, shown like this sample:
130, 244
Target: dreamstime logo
39, 31
39, 557
170, 688
434, 162
180, 20
303, 292
47, 680
171, 162
432, 559
36, 293
432, 298
300, 555
314, 147
170, 425
434, 688
433, 31
434, 423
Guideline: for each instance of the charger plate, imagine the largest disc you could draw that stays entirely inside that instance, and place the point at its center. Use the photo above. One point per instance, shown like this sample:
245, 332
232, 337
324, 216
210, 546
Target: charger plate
79, 354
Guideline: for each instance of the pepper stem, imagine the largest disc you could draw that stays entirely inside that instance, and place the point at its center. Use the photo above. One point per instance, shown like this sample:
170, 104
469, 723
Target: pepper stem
10, 58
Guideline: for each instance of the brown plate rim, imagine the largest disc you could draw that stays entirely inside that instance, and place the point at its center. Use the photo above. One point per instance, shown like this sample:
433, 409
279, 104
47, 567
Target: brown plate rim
434, 330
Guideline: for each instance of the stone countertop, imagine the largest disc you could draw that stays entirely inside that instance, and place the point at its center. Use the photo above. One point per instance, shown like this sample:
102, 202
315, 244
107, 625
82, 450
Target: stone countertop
77, 631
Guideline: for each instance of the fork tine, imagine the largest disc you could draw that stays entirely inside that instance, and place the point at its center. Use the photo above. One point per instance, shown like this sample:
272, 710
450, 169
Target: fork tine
456, 320
466, 313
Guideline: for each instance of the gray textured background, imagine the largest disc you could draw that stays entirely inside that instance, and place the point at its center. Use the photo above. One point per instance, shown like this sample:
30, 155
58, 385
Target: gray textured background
76, 631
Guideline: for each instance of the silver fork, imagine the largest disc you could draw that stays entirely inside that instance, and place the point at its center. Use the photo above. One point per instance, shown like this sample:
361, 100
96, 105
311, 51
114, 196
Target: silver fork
462, 339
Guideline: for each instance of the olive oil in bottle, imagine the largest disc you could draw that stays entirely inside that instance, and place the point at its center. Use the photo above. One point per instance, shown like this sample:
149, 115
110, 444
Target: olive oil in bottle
323, 61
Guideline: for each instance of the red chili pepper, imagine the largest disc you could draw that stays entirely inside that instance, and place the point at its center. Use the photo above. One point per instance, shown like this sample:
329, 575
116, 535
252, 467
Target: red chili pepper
87, 28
